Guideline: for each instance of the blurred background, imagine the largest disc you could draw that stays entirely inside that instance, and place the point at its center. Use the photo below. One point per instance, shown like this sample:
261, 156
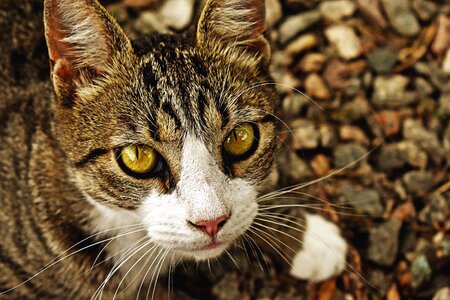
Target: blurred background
365, 90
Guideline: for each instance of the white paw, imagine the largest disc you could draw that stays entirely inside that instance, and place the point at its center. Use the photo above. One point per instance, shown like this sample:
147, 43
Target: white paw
323, 252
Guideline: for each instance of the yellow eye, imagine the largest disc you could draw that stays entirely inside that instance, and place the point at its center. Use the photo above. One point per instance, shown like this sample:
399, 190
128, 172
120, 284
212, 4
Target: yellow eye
138, 159
240, 142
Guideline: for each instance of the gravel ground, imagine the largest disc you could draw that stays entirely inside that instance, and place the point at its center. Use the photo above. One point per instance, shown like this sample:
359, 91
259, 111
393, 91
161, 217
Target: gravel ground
371, 99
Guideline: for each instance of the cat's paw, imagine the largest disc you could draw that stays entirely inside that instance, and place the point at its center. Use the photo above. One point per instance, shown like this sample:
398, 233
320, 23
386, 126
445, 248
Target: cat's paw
323, 253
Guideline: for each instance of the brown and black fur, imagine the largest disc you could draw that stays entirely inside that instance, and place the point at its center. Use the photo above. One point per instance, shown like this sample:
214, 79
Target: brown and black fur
59, 145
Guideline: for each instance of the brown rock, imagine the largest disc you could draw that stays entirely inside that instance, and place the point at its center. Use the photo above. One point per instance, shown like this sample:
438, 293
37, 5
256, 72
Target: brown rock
302, 43
316, 87
353, 133
441, 41
370, 9
320, 165
389, 121
312, 62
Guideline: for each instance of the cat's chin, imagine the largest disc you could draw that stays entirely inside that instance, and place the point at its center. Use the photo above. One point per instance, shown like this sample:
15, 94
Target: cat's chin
205, 252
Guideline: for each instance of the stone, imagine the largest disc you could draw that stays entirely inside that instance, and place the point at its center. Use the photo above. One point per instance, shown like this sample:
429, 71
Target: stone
390, 157
353, 133
320, 165
420, 271
425, 139
328, 138
139, 3
412, 154
344, 38
390, 91
353, 87
349, 156
446, 62
148, 22
362, 199
441, 42
446, 142
354, 110
294, 167
418, 182
312, 62
177, 14
370, 9
442, 294
297, 23
294, 103
436, 211
316, 88
383, 242
389, 121
426, 10
274, 12
337, 10
305, 135
401, 17
423, 87
300, 44
444, 103
381, 59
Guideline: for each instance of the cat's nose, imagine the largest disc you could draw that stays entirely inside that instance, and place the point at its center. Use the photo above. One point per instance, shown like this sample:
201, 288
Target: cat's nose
211, 227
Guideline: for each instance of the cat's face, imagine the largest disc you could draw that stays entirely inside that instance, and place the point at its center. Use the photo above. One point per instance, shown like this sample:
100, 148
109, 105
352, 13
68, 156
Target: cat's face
173, 134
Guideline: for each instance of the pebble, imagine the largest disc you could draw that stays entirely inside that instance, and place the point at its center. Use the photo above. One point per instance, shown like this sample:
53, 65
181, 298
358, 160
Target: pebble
425, 139
412, 154
353, 133
177, 14
441, 42
293, 104
353, 87
418, 182
390, 157
148, 22
383, 242
139, 3
346, 155
390, 91
354, 110
362, 199
444, 103
446, 62
344, 38
312, 62
436, 211
379, 280
446, 142
401, 17
381, 59
320, 165
442, 294
371, 10
305, 136
274, 12
389, 121
337, 10
297, 23
300, 44
316, 87
423, 87
426, 10
328, 138
294, 168
420, 271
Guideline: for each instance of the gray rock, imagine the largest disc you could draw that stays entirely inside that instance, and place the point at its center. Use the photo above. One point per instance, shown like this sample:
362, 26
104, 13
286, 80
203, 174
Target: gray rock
345, 40
418, 181
390, 157
425, 139
353, 87
337, 10
426, 10
442, 294
444, 103
294, 167
294, 103
383, 242
391, 91
349, 155
420, 271
436, 211
381, 59
412, 154
305, 135
354, 110
148, 22
401, 17
423, 87
297, 23
362, 199
328, 137
378, 279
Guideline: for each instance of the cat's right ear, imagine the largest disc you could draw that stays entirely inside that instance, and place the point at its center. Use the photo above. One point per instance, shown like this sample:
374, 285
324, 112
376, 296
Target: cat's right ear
83, 40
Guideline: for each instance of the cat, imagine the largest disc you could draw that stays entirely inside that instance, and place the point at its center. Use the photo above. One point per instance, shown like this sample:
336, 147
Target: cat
144, 154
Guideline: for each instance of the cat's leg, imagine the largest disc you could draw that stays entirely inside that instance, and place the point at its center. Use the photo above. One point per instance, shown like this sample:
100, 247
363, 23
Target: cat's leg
323, 251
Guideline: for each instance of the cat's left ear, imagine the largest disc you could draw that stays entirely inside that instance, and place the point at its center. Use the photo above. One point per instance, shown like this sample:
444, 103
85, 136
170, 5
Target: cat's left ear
82, 39
235, 23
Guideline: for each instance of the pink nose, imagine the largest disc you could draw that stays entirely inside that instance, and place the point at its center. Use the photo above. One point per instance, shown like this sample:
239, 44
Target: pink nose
211, 227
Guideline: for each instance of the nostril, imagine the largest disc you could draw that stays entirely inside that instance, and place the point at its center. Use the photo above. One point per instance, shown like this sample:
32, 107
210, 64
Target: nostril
221, 223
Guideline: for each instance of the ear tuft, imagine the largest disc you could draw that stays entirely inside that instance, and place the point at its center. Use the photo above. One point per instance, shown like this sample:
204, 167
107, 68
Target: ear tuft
235, 23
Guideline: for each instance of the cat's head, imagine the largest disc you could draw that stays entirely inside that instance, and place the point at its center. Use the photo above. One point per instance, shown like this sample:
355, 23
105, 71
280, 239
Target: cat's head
173, 132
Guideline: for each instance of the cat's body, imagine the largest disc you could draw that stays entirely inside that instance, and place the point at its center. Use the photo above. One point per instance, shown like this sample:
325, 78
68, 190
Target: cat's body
69, 198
